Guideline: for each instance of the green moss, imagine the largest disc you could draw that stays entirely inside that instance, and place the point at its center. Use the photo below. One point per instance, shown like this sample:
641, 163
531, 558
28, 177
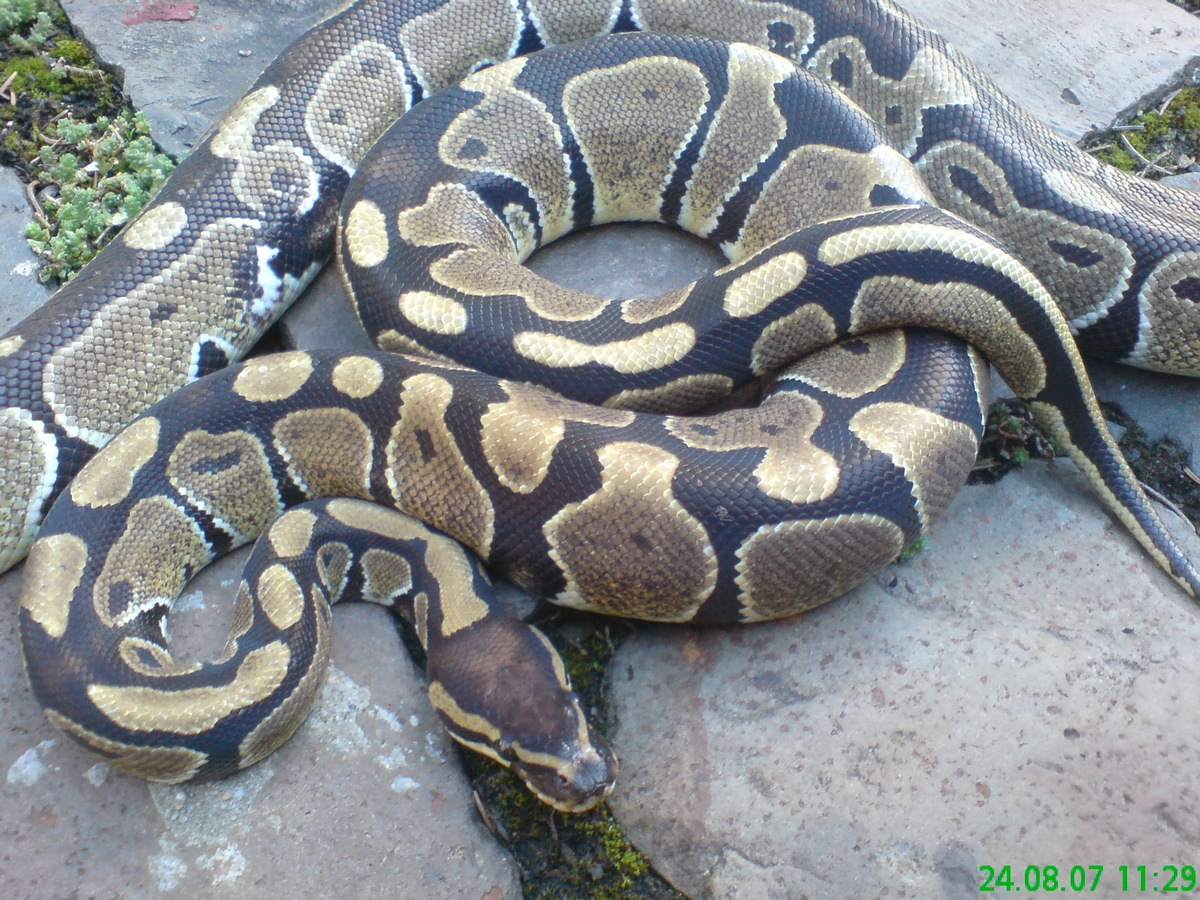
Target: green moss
91, 160
72, 51
1155, 132
568, 856
66, 69
563, 856
916, 548
625, 859
34, 76
1010, 440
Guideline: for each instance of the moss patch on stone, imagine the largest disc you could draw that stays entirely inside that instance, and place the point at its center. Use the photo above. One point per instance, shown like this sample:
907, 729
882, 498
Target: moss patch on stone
558, 855
88, 158
1160, 141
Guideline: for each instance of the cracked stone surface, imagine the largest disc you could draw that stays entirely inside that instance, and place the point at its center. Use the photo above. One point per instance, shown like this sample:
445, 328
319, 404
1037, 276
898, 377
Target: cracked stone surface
367, 799
20, 292
1010, 696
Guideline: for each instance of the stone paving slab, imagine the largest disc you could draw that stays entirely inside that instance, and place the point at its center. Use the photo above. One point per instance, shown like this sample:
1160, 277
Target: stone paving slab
368, 799
982, 768
184, 64
20, 292
1017, 694
1076, 65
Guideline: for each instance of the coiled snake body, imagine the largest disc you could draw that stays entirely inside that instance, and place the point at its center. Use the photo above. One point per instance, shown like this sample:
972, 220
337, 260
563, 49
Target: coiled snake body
743, 515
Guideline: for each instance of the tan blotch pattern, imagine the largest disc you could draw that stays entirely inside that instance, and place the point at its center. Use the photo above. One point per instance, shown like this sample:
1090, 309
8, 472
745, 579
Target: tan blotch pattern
935, 453
931, 80
149, 659
1170, 304
640, 310
1086, 291
1081, 190
108, 479
421, 618
464, 725
128, 356
562, 21
360, 95
229, 477
168, 764
444, 44
751, 23
512, 133
433, 312
25, 480
793, 468
645, 353
632, 121
960, 308
365, 235
333, 566
52, 573
386, 575
273, 378
235, 133
680, 395
283, 721
856, 367
452, 570
395, 342
357, 376
193, 710
427, 474
786, 340
156, 227
328, 451
816, 183
279, 180
744, 132
787, 568
520, 435
149, 563
1051, 418
10, 345
453, 214
280, 596
631, 548
483, 273
243, 621
520, 228
848, 246
378, 519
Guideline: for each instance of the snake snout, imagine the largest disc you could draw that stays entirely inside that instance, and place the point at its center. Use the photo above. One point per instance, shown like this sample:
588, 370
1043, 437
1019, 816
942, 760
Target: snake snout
582, 776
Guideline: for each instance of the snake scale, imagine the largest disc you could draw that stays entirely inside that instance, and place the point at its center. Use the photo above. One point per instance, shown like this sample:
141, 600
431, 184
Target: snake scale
839, 229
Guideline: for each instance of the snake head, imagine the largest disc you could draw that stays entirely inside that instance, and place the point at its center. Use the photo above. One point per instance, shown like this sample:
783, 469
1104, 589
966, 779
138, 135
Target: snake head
504, 692
574, 777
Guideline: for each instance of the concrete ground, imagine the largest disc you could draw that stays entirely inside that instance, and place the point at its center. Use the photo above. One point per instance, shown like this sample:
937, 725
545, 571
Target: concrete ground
1019, 693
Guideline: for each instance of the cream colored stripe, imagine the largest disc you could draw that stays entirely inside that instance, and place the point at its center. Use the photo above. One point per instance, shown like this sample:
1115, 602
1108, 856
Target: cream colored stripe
650, 351
853, 244
193, 710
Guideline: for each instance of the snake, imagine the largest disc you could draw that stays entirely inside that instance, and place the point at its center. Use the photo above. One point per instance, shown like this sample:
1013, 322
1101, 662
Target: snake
858, 173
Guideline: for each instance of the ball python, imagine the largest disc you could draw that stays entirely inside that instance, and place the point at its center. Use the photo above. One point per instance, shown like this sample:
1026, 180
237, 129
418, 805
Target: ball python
247, 218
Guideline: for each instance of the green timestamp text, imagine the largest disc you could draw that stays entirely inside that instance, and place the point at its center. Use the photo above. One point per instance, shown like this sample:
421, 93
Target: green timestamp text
1087, 879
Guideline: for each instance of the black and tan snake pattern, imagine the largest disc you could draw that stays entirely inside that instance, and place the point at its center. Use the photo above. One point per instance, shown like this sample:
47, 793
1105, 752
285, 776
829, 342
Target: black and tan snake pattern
608, 505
